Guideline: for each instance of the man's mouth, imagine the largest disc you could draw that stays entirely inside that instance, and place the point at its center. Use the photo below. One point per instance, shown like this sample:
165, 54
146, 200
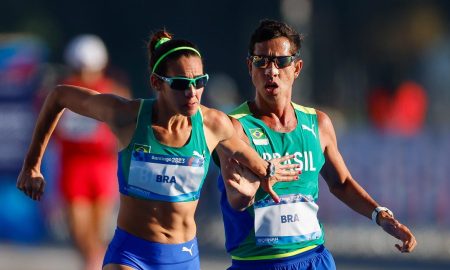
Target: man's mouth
270, 86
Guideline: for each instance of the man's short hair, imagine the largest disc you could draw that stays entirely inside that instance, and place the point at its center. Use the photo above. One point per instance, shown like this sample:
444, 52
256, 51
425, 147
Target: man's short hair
270, 29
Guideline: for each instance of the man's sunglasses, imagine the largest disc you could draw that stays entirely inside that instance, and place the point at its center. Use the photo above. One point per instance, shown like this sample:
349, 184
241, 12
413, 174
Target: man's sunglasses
183, 83
260, 61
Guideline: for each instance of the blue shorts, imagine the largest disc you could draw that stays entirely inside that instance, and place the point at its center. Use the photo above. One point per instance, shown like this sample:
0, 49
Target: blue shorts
138, 253
318, 258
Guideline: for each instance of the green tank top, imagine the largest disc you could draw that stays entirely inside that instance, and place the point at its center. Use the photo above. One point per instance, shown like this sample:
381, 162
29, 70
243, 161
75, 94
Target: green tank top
150, 170
285, 229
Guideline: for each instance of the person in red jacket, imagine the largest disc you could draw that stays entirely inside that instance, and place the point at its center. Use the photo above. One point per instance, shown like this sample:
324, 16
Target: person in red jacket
88, 154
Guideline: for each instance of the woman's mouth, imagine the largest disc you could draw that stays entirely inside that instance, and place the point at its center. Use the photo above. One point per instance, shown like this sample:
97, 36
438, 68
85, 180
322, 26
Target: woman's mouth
191, 105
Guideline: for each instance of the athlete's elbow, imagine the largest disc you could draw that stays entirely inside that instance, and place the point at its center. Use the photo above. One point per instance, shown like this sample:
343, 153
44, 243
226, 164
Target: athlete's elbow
338, 187
59, 89
55, 97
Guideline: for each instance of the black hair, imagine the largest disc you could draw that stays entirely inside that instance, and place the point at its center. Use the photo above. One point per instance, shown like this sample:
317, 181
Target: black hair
270, 29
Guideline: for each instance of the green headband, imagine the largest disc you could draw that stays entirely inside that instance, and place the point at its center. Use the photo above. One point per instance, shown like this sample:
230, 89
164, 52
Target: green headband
174, 50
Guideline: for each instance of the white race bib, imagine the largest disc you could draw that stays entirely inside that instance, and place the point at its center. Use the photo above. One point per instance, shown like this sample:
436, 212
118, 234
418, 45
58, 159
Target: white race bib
165, 174
292, 220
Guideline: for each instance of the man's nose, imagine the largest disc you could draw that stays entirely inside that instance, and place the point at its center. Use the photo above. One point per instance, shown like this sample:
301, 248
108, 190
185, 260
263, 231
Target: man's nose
271, 69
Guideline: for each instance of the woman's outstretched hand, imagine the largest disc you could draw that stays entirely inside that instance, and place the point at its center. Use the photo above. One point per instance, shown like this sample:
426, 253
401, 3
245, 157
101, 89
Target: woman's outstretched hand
32, 183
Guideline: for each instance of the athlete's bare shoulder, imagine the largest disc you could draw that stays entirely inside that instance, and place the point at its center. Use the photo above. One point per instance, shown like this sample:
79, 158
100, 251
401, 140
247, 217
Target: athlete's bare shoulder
215, 119
326, 129
323, 119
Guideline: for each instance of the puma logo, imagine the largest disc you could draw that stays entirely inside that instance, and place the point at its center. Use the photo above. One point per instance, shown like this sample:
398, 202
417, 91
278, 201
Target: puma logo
188, 249
197, 154
305, 127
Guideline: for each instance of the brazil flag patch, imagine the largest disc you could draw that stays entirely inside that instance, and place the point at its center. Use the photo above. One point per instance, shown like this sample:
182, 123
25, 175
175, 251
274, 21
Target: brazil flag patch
141, 148
258, 136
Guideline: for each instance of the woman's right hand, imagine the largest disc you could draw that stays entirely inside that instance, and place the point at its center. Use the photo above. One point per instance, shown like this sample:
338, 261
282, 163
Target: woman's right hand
281, 173
32, 183
245, 183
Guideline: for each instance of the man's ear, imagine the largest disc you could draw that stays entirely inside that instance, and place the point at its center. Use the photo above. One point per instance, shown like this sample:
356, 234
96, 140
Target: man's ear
298, 67
250, 67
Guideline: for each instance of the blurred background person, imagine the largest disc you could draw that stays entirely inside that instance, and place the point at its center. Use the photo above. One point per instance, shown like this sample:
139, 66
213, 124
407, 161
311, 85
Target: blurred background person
87, 176
398, 112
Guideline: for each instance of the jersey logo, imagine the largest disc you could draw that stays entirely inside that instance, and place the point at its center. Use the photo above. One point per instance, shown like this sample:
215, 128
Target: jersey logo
141, 148
197, 154
197, 160
305, 159
305, 127
258, 136
188, 249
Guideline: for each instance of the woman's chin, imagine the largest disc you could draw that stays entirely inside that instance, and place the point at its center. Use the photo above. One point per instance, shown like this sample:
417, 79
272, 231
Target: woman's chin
189, 109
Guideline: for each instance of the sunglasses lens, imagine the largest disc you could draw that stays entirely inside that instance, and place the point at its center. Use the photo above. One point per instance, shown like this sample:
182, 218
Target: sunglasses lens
182, 84
259, 61
280, 61
283, 61
179, 84
201, 82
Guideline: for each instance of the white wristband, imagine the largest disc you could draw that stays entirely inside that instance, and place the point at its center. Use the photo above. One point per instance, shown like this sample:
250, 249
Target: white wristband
378, 210
271, 169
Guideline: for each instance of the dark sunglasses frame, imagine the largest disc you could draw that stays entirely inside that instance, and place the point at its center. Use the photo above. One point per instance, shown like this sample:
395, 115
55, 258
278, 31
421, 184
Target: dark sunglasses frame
183, 83
262, 61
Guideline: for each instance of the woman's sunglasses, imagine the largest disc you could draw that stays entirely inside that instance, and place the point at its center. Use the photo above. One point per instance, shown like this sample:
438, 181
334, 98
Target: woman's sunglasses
260, 61
183, 83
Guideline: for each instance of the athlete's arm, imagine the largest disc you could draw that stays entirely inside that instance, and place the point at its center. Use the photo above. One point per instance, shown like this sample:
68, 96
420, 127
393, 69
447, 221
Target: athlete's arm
103, 107
240, 183
345, 188
230, 146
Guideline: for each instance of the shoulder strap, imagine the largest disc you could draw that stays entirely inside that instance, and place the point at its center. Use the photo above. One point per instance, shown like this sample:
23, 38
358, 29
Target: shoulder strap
304, 109
241, 111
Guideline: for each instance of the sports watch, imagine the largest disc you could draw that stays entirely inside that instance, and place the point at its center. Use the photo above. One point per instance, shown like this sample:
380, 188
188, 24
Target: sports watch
378, 210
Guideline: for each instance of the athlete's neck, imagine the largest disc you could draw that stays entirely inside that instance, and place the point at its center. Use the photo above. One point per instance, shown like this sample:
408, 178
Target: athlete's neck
168, 119
278, 116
